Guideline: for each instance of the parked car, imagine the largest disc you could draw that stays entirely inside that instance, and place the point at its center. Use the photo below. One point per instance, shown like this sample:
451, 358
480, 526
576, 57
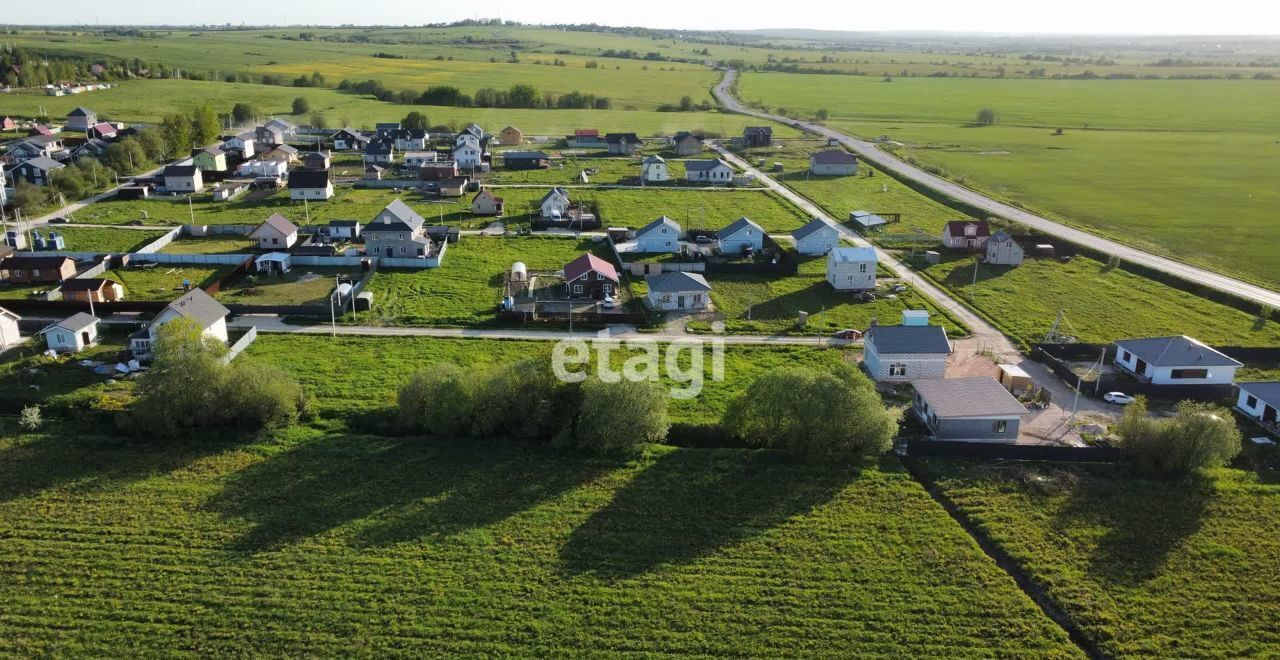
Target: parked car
1118, 398
58, 221
705, 240
848, 333
608, 302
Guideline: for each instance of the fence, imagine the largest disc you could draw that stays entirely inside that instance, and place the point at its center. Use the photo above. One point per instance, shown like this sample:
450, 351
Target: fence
1013, 452
96, 270
389, 183
205, 230
241, 344
1055, 356
160, 243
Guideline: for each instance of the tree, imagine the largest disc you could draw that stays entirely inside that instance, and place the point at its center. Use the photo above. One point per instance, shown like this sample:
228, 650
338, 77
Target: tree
244, 113
30, 197
520, 400
1199, 435
813, 413
153, 144
180, 391
619, 418
822, 114
126, 155
986, 117
686, 103
204, 125
415, 121
177, 135
438, 400
301, 105
262, 395
523, 96
318, 120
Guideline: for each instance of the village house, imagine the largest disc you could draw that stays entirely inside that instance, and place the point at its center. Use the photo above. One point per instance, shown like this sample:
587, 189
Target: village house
438, 171
282, 153
833, 162
555, 204
196, 306
469, 155
19, 269
966, 234
486, 203
1260, 401
38, 171
411, 139
9, 333
454, 187
386, 130
72, 334
229, 190
348, 229
92, 289
379, 153
346, 139
661, 235
1002, 250
653, 169
817, 237
526, 160
757, 136
263, 168
622, 144
590, 277
8, 124
182, 179
899, 353
241, 145
275, 233
686, 144
34, 147
103, 131
741, 235
268, 135
374, 172
310, 185
417, 159
80, 119
678, 290
210, 159
1178, 360
852, 268
585, 138
397, 232
285, 127
713, 171
974, 409
316, 160
510, 137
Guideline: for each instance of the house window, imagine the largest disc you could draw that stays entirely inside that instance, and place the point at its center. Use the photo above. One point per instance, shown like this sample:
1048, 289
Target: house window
1122, 355
577, 288
1000, 427
607, 288
862, 268
402, 250
1189, 373
1251, 402
898, 369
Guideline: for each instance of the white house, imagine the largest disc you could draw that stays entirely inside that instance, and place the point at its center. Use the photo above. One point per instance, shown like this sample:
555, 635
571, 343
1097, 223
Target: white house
80, 119
379, 153
183, 179
285, 127
816, 237
263, 168
344, 229
833, 162
468, 155
661, 235
555, 203
276, 233
1260, 400
411, 139
346, 139
1178, 360
708, 171
243, 144
654, 170
677, 290
9, 327
905, 352
740, 235
851, 268
72, 334
419, 158
310, 184
1002, 250
208, 314
966, 234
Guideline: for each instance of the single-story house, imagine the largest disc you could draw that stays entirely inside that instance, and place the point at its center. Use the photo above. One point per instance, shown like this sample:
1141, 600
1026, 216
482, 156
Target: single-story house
103, 131
95, 289
316, 160
454, 187
80, 119
195, 305
867, 220
268, 135
966, 234
229, 190
374, 172
686, 144
817, 237
526, 160
591, 277
72, 334
1260, 400
1178, 360
419, 158
379, 153
438, 171
183, 179
661, 235
585, 138
275, 233
9, 333
397, 231
757, 136
653, 169
622, 144
346, 139
19, 269
263, 168
310, 184
1002, 250
487, 203
852, 268
554, 204
272, 263
677, 290
510, 136
344, 229
210, 159
905, 352
833, 162
977, 408
740, 235
38, 170
708, 171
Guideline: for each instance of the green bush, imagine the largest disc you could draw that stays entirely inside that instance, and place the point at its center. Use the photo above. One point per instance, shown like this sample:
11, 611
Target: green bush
619, 418
438, 400
519, 400
1199, 435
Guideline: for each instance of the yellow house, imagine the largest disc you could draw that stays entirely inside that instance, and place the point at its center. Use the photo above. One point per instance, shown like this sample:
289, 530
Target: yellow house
510, 136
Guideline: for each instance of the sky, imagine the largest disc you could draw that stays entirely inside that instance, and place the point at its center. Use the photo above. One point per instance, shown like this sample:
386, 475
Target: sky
1224, 17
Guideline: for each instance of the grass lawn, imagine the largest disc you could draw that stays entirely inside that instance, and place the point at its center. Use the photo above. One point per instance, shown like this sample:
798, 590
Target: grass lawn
104, 239
57, 384
22, 291
1102, 304
229, 244
331, 544
712, 209
1145, 569
565, 171
303, 285
163, 281
467, 290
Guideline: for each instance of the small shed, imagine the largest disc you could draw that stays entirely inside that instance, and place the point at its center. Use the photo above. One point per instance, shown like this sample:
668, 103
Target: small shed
273, 262
1014, 378
73, 334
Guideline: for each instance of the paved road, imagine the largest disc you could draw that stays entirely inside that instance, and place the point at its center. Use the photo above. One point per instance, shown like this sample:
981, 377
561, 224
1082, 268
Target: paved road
887, 161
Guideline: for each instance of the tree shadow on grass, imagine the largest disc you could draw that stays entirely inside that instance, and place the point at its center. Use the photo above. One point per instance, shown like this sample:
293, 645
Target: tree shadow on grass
390, 490
689, 504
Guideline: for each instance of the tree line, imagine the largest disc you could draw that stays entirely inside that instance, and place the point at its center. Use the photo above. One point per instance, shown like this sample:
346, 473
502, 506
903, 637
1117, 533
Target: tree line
519, 95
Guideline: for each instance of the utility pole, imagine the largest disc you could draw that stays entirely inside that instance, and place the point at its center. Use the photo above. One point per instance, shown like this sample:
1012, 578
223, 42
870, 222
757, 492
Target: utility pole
191, 209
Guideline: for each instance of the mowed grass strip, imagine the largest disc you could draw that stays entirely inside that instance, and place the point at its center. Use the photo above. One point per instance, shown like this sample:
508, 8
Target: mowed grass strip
329, 544
1144, 569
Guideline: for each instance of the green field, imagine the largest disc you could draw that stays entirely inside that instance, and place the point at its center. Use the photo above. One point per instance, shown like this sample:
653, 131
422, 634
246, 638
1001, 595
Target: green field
163, 282
711, 209
230, 244
101, 239
1146, 162
1145, 569
303, 285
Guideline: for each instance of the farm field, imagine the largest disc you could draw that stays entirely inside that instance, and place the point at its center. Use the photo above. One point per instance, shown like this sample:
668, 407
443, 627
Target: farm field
303, 285
1102, 304
163, 282
102, 239
230, 244
1145, 569
320, 522
1142, 162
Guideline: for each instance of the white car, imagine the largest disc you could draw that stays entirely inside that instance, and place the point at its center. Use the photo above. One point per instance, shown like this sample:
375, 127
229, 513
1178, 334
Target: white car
608, 302
1118, 398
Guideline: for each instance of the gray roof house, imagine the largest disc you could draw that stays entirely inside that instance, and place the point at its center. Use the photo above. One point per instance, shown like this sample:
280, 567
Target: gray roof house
1261, 401
816, 237
714, 171
905, 352
397, 231
741, 234
1178, 360
661, 235
195, 305
678, 290
974, 409
833, 162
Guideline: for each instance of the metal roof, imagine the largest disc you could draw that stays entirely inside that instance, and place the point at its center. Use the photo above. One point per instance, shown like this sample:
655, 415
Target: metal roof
199, 307
587, 263
834, 157
738, 225
704, 165
75, 323
1268, 391
854, 254
1179, 351
980, 396
915, 339
677, 281
277, 222
812, 227
663, 221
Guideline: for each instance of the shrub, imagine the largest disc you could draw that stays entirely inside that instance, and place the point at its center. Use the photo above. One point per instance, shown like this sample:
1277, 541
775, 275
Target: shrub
519, 400
986, 117
262, 396
619, 418
301, 105
439, 400
1199, 435
30, 419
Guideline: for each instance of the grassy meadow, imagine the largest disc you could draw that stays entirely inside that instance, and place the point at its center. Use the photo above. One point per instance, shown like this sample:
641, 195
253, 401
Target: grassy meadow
103, 239
303, 285
163, 282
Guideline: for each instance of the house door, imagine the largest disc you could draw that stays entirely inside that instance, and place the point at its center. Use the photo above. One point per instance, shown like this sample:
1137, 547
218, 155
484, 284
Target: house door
1140, 366
390, 252
84, 337
680, 302
1269, 414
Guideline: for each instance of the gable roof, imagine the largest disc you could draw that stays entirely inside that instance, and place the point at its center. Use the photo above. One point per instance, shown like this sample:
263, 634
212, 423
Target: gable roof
87, 284
18, 261
509, 127
956, 227
913, 339
834, 157
43, 163
587, 263
309, 179
979, 396
281, 124
704, 165
485, 192
654, 159
738, 225
685, 135
524, 155
812, 227
1268, 391
213, 151
379, 148
278, 223
853, 254
179, 170
663, 221
554, 192
81, 111
8, 314
103, 128
618, 138
199, 307
74, 323
1179, 351
405, 219
674, 281
1000, 236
